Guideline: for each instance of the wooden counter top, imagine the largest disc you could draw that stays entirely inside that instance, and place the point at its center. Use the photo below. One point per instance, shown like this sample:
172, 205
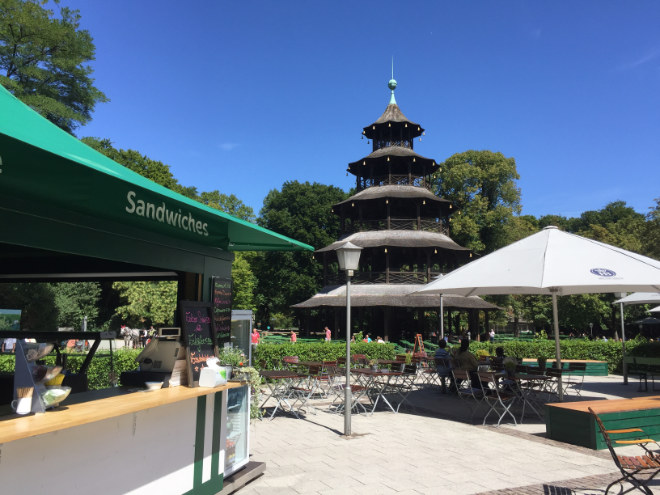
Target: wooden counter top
612, 405
15, 427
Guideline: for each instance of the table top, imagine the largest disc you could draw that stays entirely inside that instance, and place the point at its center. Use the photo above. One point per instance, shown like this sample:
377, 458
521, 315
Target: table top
278, 374
611, 405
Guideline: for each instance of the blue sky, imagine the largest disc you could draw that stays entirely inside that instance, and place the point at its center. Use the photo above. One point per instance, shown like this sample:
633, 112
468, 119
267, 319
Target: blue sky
243, 96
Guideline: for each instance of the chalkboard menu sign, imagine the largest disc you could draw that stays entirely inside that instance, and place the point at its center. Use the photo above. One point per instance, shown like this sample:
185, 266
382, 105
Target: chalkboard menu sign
221, 297
198, 335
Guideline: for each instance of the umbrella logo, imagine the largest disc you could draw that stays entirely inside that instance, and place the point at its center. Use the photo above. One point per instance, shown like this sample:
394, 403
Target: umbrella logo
602, 272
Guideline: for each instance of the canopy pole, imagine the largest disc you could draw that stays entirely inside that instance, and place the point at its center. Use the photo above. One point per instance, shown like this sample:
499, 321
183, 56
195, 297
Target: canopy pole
555, 317
623, 347
442, 318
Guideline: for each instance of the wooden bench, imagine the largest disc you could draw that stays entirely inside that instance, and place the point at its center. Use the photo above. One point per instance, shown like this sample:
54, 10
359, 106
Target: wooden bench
571, 422
644, 368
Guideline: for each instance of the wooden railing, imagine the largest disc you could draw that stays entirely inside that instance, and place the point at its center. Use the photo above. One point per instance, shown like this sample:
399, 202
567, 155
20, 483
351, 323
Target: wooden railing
396, 224
395, 180
415, 278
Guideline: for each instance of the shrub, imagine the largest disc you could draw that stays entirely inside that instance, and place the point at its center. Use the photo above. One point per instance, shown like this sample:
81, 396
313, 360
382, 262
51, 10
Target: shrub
598, 350
269, 356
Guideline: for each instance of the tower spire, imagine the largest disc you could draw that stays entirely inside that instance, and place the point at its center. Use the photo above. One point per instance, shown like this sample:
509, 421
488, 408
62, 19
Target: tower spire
392, 85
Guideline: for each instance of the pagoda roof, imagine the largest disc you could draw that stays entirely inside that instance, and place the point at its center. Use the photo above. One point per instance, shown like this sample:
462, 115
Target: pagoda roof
392, 115
394, 295
394, 191
400, 157
396, 238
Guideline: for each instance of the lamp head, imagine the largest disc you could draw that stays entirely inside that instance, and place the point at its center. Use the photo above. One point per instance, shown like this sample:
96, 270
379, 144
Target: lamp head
348, 256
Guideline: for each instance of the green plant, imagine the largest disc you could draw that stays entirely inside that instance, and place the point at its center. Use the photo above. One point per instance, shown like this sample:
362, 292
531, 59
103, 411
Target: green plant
232, 356
482, 353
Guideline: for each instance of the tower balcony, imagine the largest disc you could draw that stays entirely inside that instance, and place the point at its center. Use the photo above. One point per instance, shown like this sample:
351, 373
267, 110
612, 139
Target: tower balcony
395, 224
393, 180
389, 277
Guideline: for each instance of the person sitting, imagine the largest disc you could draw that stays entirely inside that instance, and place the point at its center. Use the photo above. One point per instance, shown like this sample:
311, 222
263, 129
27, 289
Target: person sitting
443, 364
497, 362
465, 360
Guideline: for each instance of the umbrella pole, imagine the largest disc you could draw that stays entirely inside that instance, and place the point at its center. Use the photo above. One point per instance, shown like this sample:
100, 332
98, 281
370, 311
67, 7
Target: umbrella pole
442, 318
623, 348
555, 318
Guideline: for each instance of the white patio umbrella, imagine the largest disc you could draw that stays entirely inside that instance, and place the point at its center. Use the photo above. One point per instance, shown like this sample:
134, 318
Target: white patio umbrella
639, 298
634, 298
556, 263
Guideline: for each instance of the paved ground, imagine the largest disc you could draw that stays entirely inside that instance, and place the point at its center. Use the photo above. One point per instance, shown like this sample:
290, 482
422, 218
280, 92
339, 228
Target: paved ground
433, 449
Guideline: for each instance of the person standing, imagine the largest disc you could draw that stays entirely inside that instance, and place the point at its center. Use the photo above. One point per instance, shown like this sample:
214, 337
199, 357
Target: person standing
9, 345
491, 335
294, 337
328, 334
255, 337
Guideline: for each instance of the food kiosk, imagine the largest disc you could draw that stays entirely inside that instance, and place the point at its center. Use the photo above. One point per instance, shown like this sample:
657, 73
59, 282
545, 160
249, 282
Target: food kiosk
69, 213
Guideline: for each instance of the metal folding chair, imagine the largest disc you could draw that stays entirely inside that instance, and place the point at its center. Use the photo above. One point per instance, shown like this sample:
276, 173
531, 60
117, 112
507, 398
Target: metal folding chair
473, 397
575, 377
498, 400
631, 467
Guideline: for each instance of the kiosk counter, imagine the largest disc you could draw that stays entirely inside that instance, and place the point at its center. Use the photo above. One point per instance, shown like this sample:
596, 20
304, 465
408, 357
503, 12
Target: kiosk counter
175, 440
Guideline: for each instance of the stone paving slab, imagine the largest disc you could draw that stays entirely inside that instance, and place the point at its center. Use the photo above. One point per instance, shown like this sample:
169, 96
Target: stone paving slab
433, 449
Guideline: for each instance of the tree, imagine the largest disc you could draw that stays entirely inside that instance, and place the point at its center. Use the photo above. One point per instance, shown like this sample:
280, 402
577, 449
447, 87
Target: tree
153, 301
74, 301
651, 239
36, 302
481, 185
244, 281
45, 61
229, 204
153, 170
302, 211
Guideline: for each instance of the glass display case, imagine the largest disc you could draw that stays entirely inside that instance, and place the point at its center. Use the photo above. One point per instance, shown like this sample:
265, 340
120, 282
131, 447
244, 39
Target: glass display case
239, 336
236, 429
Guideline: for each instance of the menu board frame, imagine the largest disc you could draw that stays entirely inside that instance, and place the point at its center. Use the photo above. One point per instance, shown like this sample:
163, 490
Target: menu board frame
222, 304
190, 314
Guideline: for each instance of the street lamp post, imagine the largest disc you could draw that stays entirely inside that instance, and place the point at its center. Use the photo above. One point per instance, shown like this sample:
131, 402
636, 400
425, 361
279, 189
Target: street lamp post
349, 258
591, 330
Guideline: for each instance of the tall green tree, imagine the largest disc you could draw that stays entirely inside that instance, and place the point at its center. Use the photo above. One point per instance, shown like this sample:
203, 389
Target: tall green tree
482, 187
229, 204
153, 170
36, 302
44, 61
75, 301
302, 211
142, 301
651, 240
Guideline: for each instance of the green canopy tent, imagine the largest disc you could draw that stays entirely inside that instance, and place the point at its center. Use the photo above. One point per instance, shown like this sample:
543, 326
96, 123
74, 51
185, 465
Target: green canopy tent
67, 211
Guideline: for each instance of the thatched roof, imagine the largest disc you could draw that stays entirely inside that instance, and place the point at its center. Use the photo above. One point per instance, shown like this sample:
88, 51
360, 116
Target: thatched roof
392, 295
393, 114
394, 191
400, 159
396, 238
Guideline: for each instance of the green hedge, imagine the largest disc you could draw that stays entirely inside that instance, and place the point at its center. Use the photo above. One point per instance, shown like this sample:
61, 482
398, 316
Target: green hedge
269, 356
598, 350
98, 373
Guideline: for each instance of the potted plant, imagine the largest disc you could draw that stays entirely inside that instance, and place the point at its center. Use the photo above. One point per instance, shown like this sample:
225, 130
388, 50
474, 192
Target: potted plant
541, 360
373, 363
510, 364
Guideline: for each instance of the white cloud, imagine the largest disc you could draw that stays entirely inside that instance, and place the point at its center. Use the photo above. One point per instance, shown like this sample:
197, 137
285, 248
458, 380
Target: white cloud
653, 54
